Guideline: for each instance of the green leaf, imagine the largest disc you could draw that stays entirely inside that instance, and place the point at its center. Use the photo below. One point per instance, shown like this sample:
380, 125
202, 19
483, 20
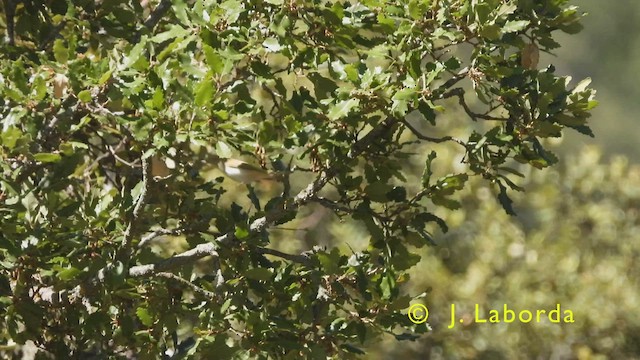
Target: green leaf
330, 261
39, 88
514, 25
387, 286
491, 32
261, 274
105, 77
158, 98
47, 157
406, 94
10, 137
425, 217
174, 32
134, 54
214, 60
85, 96
397, 194
69, 273
272, 45
204, 92
511, 171
223, 150
451, 183
60, 51
241, 232
426, 174
323, 86
447, 203
342, 109
145, 316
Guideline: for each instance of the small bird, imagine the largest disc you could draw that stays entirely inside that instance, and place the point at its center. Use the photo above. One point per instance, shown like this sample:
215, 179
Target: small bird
241, 171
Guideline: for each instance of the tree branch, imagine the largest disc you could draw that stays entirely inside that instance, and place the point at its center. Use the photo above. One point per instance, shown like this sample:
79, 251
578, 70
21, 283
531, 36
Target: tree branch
154, 234
197, 289
427, 138
300, 259
459, 93
125, 252
260, 224
52, 35
157, 14
154, 18
187, 257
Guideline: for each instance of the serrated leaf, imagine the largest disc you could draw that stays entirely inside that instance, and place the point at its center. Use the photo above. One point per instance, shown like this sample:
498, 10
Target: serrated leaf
134, 54
426, 174
387, 286
174, 32
60, 51
214, 60
330, 261
582, 85
514, 25
453, 182
548, 156
583, 129
511, 171
144, 316
405, 94
106, 76
342, 109
447, 203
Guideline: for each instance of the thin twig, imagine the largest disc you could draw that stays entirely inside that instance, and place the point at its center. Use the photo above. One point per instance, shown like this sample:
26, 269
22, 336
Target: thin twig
154, 234
125, 250
206, 293
459, 93
53, 34
300, 259
187, 257
157, 14
332, 205
428, 138
153, 19
304, 196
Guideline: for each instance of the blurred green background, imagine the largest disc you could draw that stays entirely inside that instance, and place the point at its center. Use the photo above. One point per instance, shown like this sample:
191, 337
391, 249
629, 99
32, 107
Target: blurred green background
608, 51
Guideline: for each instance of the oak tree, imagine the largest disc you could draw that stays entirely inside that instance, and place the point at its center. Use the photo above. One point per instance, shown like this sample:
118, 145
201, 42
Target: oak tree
116, 240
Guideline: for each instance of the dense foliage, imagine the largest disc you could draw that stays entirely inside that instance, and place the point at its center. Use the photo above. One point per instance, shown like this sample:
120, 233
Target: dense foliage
115, 241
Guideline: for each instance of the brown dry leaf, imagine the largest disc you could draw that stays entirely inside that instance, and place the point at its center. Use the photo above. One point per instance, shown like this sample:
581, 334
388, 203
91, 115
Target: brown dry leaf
60, 84
530, 56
